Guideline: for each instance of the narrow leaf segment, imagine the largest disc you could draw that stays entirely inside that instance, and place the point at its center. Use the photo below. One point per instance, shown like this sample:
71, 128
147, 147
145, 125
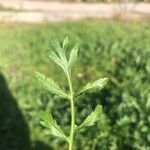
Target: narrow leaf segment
51, 86
93, 87
95, 116
49, 122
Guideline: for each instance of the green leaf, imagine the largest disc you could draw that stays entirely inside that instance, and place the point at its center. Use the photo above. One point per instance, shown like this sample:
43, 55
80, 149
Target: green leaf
57, 47
59, 56
50, 85
59, 61
60, 51
49, 122
65, 41
73, 56
95, 86
95, 116
56, 59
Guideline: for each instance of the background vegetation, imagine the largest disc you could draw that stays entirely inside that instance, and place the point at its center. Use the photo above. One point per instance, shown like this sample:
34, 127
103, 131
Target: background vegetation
118, 50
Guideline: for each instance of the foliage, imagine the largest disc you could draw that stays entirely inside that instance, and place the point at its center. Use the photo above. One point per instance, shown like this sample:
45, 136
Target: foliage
95, 116
119, 50
49, 122
59, 57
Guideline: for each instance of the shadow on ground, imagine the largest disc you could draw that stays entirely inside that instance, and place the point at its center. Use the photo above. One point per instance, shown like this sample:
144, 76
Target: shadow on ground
14, 132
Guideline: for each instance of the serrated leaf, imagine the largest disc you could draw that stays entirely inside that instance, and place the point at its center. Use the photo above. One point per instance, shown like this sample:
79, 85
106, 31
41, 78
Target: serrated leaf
49, 122
73, 56
59, 56
95, 86
95, 116
50, 85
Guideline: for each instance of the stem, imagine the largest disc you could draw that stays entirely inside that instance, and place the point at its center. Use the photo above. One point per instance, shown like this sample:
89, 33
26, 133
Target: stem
72, 125
72, 112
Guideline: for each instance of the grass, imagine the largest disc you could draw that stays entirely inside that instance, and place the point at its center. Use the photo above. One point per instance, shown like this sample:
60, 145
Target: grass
23, 50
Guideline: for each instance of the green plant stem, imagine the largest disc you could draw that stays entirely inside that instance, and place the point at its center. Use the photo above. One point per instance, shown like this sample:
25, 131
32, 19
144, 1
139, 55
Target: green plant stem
72, 125
72, 112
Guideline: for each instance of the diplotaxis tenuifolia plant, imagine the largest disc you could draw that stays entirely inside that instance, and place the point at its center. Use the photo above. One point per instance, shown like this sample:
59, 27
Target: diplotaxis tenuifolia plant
60, 58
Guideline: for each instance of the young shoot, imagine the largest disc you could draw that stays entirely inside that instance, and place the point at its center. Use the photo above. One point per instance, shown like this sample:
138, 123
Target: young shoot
59, 57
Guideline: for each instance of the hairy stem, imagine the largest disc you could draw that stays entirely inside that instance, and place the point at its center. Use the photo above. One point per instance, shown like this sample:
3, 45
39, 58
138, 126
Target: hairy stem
72, 113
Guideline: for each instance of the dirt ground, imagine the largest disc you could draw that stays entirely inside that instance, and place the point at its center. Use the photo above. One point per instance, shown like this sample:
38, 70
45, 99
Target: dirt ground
39, 11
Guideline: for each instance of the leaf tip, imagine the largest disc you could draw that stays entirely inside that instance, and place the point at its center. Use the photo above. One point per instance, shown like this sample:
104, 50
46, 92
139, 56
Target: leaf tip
105, 80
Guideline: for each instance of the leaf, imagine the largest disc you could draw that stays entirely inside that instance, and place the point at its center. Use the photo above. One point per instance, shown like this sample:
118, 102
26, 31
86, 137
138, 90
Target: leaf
50, 85
57, 47
59, 50
59, 57
92, 87
95, 116
49, 122
56, 59
73, 56
65, 41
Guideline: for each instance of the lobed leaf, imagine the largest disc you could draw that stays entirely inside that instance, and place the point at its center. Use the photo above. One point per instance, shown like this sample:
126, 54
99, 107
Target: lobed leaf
95, 116
95, 86
59, 56
50, 85
49, 122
